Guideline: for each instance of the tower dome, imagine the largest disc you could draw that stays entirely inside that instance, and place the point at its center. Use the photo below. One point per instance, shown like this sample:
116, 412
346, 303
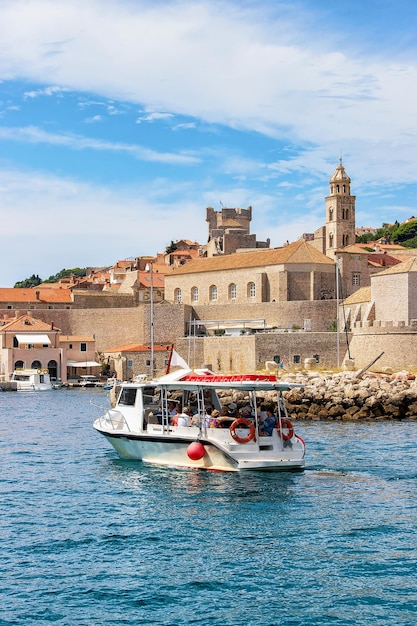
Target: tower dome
340, 181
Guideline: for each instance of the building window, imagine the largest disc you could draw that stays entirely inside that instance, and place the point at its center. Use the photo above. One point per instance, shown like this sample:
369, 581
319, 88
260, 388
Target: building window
129, 363
178, 296
83, 347
251, 290
70, 346
19, 365
356, 279
317, 357
9, 306
277, 358
213, 293
15, 342
50, 306
296, 359
330, 214
232, 291
194, 294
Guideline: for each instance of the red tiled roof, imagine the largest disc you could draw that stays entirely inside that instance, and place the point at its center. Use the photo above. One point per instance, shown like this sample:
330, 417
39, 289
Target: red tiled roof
296, 252
29, 296
27, 323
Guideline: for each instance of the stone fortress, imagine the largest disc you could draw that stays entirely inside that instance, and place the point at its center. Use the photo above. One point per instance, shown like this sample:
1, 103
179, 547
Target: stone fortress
237, 303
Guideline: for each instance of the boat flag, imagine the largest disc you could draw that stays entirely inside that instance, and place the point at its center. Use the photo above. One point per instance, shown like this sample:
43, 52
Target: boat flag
176, 359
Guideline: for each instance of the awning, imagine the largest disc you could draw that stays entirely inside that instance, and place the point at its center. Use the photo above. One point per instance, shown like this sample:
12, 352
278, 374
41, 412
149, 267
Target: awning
82, 364
27, 338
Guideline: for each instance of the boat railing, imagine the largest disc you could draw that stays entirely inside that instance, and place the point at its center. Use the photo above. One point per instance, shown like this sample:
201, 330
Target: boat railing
116, 419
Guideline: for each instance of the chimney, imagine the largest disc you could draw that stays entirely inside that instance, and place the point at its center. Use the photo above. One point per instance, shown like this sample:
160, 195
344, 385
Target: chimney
52, 326
37, 294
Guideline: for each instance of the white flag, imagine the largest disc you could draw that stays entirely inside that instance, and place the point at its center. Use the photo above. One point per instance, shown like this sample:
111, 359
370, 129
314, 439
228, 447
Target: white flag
176, 359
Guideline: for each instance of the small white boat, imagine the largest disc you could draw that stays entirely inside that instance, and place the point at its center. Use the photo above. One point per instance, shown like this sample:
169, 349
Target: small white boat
111, 382
31, 379
139, 426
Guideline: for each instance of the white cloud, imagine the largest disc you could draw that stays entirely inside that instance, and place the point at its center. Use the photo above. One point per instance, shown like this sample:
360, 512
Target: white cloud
95, 118
98, 224
32, 134
48, 91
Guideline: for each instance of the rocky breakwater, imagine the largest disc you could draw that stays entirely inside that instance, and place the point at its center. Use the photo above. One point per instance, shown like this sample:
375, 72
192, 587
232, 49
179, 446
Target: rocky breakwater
345, 396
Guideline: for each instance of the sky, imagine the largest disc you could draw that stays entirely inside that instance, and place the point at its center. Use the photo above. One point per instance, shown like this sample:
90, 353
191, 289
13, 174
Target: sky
121, 121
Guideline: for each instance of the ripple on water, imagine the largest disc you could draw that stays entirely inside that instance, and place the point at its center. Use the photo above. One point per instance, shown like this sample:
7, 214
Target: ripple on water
89, 538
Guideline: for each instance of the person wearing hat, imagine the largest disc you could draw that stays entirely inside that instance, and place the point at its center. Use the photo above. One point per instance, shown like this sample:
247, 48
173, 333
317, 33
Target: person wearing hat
213, 421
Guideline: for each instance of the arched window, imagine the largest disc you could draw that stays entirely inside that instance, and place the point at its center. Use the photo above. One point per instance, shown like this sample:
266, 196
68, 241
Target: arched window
19, 365
251, 290
194, 294
178, 296
53, 369
36, 365
232, 291
330, 214
213, 293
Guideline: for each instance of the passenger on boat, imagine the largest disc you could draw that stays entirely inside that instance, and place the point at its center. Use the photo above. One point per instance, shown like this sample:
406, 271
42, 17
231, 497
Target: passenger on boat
268, 423
184, 419
246, 412
214, 422
172, 407
225, 418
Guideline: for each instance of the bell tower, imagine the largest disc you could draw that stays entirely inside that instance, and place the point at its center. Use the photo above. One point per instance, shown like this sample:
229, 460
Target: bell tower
340, 213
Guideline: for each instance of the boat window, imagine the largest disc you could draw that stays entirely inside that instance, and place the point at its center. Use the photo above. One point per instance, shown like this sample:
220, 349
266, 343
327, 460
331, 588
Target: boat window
128, 397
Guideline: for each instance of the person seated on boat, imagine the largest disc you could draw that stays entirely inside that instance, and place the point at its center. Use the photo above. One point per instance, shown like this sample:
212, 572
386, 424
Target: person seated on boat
268, 423
246, 412
225, 419
183, 417
214, 422
172, 407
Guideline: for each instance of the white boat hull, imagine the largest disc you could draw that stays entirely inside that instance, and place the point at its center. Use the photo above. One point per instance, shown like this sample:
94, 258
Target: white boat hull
170, 450
23, 386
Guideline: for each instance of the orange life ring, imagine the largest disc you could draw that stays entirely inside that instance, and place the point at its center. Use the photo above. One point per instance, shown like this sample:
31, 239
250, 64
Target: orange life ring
284, 423
238, 423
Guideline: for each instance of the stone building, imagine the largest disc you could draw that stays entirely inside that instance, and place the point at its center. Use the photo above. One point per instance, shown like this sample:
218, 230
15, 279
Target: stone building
229, 231
340, 228
383, 318
28, 342
294, 272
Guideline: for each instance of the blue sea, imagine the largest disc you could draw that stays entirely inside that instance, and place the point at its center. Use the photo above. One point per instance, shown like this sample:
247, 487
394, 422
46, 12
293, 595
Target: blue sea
87, 538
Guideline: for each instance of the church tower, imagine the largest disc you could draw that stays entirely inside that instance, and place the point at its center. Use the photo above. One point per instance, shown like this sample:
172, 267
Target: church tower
340, 213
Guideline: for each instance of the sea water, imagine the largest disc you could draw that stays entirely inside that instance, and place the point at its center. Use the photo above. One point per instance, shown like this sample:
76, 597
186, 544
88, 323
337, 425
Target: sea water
87, 538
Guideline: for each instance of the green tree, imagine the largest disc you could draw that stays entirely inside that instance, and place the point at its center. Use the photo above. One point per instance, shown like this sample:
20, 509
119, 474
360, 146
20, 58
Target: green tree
171, 248
33, 281
404, 232
75, 271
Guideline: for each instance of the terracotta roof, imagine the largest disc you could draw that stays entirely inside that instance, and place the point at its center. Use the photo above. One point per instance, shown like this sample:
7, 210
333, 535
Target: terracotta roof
137, 347
354, 249
27, 323
409, 265
360, 295
144, 279
296, 252
26, 296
